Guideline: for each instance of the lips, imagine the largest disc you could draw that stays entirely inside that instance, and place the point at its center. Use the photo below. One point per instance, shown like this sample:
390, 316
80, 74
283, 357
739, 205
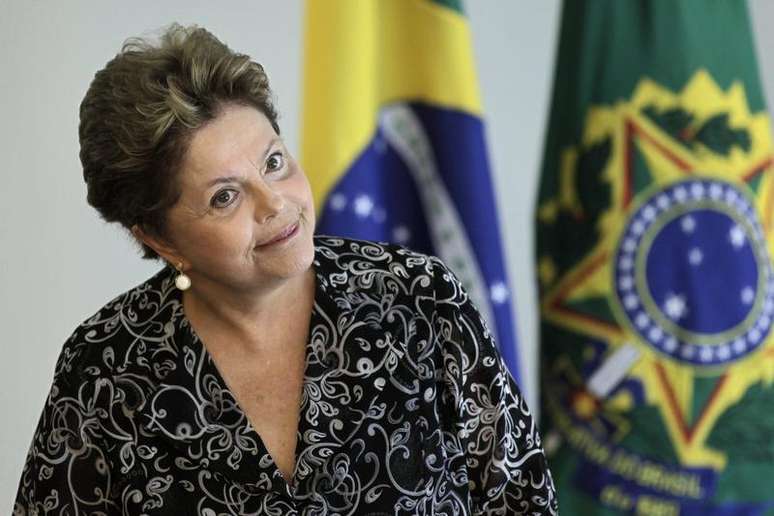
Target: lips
283, 235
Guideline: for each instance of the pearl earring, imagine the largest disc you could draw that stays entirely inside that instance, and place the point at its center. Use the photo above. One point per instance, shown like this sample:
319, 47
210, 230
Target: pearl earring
182, 281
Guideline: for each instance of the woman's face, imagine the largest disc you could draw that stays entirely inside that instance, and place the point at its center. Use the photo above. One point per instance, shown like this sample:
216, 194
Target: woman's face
245, 217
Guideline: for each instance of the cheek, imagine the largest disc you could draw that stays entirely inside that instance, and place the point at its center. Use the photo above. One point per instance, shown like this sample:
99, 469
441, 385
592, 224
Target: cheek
300, 190
309, 205
224, 236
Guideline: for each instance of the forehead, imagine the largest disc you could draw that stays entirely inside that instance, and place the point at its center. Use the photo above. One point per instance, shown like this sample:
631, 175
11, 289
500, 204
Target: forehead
237, 137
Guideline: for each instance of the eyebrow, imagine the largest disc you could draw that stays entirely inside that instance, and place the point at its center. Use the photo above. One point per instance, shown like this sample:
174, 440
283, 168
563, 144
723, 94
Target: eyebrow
236, 179
219, 180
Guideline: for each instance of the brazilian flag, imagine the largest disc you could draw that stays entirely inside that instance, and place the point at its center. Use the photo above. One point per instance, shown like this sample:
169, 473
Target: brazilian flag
654, 246
393, 140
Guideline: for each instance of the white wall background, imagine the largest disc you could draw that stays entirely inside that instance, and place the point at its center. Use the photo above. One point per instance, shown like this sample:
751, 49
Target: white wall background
60, 263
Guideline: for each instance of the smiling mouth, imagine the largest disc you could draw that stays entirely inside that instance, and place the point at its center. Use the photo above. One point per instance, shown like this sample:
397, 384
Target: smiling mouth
282, 236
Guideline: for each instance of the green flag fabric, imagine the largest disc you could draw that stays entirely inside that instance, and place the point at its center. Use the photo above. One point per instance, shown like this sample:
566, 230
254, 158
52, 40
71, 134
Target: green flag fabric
654, 245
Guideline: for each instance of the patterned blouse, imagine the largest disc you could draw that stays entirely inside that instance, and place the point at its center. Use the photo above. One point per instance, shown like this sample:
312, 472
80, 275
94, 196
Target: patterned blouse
407, 408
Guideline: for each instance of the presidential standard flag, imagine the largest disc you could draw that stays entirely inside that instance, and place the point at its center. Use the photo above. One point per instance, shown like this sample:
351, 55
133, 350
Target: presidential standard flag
393, 140
654, 245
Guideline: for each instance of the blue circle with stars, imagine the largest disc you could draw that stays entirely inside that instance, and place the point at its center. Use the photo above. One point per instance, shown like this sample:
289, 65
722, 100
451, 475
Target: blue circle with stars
692, 274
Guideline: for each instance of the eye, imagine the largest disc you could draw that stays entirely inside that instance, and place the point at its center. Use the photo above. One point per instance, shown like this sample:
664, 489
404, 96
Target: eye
275, 162
223, 198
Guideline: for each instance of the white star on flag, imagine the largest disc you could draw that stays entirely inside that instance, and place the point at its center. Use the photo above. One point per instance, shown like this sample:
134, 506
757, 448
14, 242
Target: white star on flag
363, 206
498, 292
675, 306
401, 234
697, 190
626, 282
736, 236
716, 191
695, 256
731, 196
688, 224
680, 194
338, 201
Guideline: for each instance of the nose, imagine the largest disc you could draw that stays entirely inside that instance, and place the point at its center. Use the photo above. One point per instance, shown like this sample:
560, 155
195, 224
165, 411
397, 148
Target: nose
268, 203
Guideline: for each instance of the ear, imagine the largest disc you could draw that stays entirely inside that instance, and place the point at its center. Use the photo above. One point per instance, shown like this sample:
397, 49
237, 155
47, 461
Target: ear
162, 247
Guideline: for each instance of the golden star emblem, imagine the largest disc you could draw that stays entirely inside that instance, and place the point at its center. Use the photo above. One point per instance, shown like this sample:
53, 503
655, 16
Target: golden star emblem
647, 158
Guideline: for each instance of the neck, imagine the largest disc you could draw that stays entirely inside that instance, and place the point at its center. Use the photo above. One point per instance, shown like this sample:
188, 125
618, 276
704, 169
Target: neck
248, 316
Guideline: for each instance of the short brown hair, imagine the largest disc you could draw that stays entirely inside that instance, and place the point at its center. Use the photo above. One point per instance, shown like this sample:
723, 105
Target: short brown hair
140, 112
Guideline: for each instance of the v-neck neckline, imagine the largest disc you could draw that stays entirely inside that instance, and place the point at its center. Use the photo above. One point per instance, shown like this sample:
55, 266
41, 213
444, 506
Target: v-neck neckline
332, 360
320, 299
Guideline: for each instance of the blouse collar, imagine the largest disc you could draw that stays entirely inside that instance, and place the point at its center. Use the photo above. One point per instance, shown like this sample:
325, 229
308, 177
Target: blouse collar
193, 408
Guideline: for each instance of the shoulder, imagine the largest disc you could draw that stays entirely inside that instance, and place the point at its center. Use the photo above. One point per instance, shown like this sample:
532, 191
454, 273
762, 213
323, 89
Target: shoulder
376, 254
363, 263
80, 427
104, 341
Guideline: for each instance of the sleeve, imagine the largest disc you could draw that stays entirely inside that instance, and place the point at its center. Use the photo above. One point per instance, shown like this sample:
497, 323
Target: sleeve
506, 466
67, 470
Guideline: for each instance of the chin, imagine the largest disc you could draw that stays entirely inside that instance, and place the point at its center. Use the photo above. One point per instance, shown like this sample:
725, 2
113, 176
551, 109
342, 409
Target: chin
301, 259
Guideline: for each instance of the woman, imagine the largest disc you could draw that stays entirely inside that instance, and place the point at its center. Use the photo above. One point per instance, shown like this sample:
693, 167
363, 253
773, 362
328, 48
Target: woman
263, 370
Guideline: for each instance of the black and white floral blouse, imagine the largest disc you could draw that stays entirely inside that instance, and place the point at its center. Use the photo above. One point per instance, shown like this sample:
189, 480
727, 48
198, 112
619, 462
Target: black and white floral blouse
407, 408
